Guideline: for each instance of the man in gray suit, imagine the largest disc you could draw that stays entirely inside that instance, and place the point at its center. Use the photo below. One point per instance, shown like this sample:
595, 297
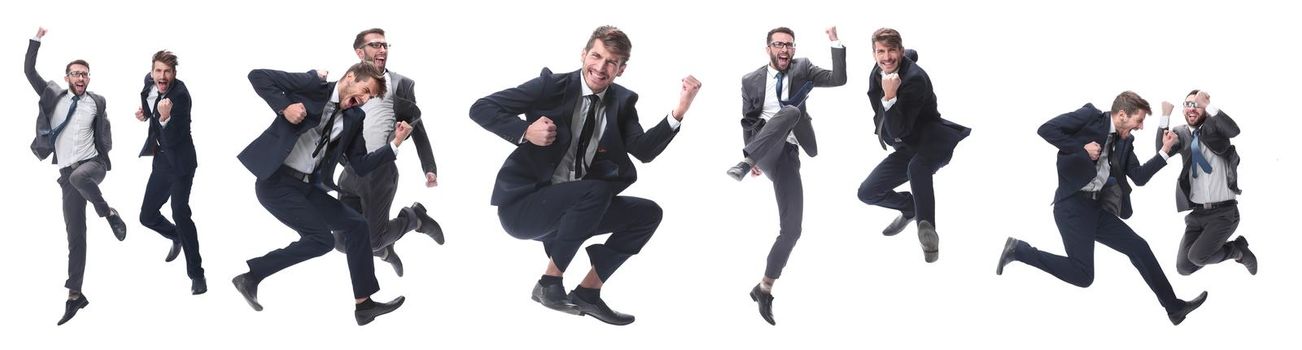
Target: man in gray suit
372, 195
1208, 185
774, 125
73, 127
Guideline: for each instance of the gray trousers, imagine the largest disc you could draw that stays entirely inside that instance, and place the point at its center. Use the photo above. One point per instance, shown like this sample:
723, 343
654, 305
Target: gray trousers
780, 161
80, 184
1206, 237
372, 196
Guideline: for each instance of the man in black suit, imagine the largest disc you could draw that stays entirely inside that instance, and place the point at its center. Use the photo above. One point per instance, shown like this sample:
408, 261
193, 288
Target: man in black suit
906, 119
73, 128
165, 105
561, 185
372, 195
1095, 156
1208, 186
774, 124
318, 125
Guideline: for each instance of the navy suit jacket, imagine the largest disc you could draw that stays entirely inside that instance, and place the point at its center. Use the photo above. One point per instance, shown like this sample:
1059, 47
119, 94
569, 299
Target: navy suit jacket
175, 140
268, 151
914, 120
1070, 132
530, 167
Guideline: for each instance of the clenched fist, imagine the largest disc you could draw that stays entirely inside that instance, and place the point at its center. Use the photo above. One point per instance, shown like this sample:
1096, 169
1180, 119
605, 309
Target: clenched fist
294, 113
400, 132
164, 110
890, 85
1167, 107
690, 87
1094, 150
140, 114
542, 132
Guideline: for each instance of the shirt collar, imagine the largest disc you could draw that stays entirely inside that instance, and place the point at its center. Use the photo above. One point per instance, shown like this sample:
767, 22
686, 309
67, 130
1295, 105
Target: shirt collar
334, 95
585, 90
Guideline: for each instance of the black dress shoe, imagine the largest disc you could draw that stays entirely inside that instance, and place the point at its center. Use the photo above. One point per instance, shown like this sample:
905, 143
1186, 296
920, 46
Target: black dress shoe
930, 241
174, 252
898, 225
553, 297
1246, 257
115, 222
1178, 315
198, 286
1006, 256
427, 224
765, 301
597, 309
391, 256
248, 288
71, 307
738, 172
373, 309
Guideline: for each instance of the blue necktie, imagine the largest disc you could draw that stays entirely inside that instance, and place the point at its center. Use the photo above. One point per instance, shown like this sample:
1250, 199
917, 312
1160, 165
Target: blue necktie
1198, 160
54, 134
779, 78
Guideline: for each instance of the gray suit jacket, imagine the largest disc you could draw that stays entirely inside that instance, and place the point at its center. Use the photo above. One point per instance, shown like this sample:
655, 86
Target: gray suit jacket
800, 71
1215, 134
51, 93
379, 132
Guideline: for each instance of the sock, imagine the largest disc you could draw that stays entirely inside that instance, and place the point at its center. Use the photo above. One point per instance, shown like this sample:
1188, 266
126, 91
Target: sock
365, 305
74, 295
767, 287
549, 280
748, 161
588, 293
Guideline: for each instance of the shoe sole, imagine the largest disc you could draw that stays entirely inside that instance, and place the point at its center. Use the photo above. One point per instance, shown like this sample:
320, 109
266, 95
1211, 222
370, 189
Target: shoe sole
253, 304
561, 308
363, 322
1009, 245
930, 246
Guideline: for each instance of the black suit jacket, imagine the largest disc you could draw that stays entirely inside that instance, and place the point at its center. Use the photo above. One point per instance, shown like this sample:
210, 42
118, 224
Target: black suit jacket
754, 85
174, 139
268, 151
405, 110
554, 95
914, 120
1215, 135
1070, 132
51, 93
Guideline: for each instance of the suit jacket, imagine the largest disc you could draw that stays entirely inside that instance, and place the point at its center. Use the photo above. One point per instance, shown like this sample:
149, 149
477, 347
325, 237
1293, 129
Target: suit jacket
1070, 132
1215, 134
51, 93
530, 167
174, 139
267, 153
754, 84
405, 109
913, 122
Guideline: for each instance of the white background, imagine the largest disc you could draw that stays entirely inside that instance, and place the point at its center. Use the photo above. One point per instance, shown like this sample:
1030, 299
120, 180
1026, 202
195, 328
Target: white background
1000, 68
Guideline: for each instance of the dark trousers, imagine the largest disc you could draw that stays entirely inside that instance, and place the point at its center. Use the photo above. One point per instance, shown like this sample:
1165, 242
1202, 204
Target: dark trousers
372, 195
564, 215
313, 214
1205, 238
168, 183
780, 160
80, 184
1082, 221
904, 165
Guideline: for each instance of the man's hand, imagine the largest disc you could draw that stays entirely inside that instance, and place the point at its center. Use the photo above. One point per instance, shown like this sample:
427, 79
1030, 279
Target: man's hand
890, 85
542, 132
140, 114
164, 110
1167, 107
295, 113
431, 180
322, 73
755, 171
831, 34
1094, 150
1168, 141
690, 87
1203, 99
40, 33
400, 132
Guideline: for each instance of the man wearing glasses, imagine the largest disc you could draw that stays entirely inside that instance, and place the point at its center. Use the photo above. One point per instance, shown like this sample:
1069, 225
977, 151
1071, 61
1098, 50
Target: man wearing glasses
774, 126
73, 127
907, 119
372, 195
1208, 185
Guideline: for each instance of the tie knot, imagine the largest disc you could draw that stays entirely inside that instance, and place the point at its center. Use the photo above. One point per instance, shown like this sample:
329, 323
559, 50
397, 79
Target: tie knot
593, 98
75, 98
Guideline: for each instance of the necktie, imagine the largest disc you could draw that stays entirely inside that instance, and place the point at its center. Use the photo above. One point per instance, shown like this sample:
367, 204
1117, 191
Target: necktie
1198, 160
72, 109
325, 131
780, 77
157, 140
589, 123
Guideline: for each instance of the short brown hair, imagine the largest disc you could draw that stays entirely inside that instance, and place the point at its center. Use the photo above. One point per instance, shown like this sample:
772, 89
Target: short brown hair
1194, 92
167, 57
614, 39
1131, 103
361, 37
68, 69
768, 39
363, 71
889, 37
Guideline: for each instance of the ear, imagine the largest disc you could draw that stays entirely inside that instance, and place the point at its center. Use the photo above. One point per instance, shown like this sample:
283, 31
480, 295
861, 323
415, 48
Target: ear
621, 69
361, 54
583, 55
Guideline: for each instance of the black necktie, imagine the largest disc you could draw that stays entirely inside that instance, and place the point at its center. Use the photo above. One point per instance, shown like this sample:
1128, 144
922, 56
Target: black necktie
589, 123
72, 109
325, 131
158, 140
779, 79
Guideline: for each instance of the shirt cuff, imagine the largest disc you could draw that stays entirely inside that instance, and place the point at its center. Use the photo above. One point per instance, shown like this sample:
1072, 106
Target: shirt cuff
887, 104
394, 146
1212, 110
1164, 155
162, 123
674, 123
837, 45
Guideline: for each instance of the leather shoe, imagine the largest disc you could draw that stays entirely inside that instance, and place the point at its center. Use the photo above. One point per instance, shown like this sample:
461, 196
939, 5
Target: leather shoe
427, 224
597, 309
115, 222
930, 241
1178, 315
71, 307
391, 256
248, 288
765, 301
1246, 257
553, 297
198, 286
738, 172
898, 225
174, 252
1006, 256
376, 309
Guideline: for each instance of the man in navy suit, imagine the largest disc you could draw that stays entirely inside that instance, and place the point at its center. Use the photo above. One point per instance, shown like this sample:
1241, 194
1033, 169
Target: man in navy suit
318, 125
561, 185
165, 105
1095, 156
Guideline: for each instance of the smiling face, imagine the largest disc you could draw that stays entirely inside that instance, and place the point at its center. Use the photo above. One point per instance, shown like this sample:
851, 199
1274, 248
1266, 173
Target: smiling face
781, 48
375, 49
354, 93
1194, 114
163, 76
887, 56
601, 66
78, 77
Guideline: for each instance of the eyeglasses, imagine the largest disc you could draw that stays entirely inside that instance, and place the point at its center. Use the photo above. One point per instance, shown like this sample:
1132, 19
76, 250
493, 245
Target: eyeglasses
379, 45
782, 45
78, 74
1190, 104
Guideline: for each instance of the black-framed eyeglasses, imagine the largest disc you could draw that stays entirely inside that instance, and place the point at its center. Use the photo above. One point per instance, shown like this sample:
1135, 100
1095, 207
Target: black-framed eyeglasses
379, 45
1190, 104
782, 45
78, 74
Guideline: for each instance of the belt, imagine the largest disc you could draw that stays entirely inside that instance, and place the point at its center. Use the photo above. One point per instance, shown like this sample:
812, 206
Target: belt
1210, 206
295, 174
1093, 195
